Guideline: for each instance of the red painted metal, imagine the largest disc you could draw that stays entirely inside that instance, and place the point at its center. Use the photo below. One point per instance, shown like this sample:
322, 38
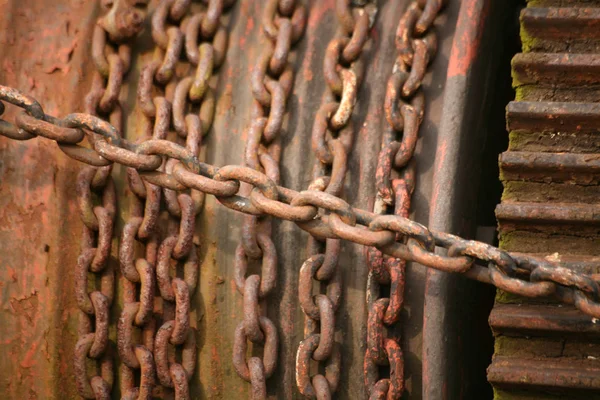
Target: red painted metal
448, 372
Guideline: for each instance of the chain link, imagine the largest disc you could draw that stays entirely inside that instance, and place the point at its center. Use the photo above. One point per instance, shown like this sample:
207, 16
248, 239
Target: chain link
175, 333
395, 183
187, 104
140, 240
272, 77
111, 52
332, 138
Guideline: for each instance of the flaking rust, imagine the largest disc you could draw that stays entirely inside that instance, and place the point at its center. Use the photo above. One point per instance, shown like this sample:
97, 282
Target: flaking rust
38, 336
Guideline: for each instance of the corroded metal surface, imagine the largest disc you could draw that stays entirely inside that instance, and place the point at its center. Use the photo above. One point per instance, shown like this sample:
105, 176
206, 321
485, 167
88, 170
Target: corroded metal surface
550, 202
542, 320
552, 117
514, 273
416, 45
41, 226
296, 157
332, 141
283, 25
548, 68
540, 374
67, 27
557, 21
122, 22
329, 217
338, 222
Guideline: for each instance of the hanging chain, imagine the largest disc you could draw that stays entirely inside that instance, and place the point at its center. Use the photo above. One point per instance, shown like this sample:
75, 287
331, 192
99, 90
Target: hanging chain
272, 78
176, 250
111, 53
139, 273
332, 138
157, 82
416, 45
205, 39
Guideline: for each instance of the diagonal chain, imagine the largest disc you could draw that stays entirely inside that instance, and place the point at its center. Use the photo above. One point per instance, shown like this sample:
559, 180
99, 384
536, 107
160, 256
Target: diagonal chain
394, 235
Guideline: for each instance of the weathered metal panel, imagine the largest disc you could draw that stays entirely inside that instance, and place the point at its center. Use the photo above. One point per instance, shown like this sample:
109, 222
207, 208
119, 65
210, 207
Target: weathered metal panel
52, 55
45, 51
455, 351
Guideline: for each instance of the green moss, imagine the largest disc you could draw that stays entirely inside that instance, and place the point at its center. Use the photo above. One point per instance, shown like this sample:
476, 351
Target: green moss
528, 42
529, 347
501, 394
515, 78
514, 190
507, 346
538, 3
500, 345
507, 241
501, 176
523, 92
517, 140
503, 297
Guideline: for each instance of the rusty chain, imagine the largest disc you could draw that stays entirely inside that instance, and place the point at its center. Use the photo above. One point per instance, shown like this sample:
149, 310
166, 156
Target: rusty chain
272, 77
140, 280
332, 137
94, 306
138, 254
416, 45
155, 95
111, 53
166, 101
394, 235
193, 113
318, 211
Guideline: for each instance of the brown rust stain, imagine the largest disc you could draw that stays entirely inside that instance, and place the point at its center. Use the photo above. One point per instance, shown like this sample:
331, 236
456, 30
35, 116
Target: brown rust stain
42, 53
